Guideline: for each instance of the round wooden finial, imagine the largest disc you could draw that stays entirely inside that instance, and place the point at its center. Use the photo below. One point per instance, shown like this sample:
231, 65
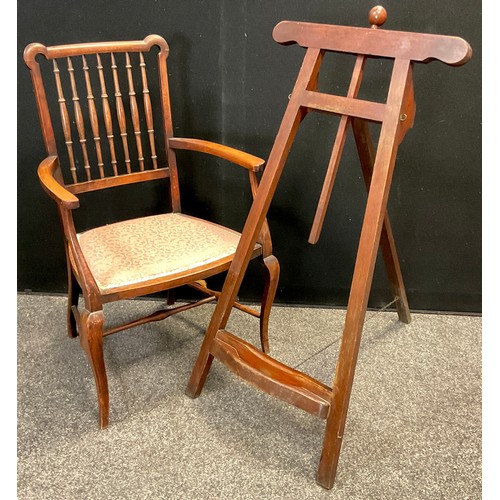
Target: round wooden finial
377, 16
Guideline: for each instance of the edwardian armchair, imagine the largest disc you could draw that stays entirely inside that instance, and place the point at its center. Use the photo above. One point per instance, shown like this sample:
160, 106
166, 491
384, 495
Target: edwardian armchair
142, 255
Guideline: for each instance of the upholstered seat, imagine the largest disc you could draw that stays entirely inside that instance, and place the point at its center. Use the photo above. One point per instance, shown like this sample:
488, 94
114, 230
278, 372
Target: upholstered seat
136, 251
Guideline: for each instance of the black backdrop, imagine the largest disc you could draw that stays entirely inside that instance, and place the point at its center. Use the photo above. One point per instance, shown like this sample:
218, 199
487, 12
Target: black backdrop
229, 83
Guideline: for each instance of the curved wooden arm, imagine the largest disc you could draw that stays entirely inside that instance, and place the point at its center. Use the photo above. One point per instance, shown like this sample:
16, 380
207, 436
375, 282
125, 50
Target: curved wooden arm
246, 160
52, 187
48, 173
241, 158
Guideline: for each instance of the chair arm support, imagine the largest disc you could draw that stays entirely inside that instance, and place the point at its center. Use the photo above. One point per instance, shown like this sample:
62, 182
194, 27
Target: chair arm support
233, 155
49, 175
52, 186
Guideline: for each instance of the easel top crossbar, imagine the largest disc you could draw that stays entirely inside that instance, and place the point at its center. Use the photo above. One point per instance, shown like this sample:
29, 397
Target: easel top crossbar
420, 47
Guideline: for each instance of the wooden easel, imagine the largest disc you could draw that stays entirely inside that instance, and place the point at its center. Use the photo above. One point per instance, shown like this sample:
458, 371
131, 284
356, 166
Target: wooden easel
396, 117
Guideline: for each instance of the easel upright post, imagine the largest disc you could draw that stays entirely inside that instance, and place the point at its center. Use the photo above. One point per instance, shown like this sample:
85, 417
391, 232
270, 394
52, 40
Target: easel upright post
363, 273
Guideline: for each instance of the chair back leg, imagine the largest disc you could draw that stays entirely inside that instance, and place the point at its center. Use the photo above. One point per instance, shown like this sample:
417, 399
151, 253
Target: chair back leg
271, 277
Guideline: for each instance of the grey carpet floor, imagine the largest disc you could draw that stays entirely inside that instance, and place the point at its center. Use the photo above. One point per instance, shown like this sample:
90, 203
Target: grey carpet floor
413, 429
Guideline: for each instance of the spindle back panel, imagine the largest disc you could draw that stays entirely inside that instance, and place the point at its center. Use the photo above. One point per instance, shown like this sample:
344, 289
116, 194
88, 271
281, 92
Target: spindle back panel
104, 110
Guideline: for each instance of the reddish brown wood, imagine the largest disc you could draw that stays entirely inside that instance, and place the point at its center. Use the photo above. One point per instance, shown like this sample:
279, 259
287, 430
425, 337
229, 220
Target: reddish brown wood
91, 341
255, 219
377, 16
339, 105
88, 323
338, 147
65, 122
90, 290
134, 112
168, 132
157, 316
46, 173
34, 49
73, 296
74, 291
148, 110
120, 113
233, 155
119, 180
271, 277
265, 234
271, 271
94, 123
242, 358
366, 152
272, 274
396, 117
30, 53
274, 377
78, 49
418, 47
79, 119
214, 293
363, 274
107, 115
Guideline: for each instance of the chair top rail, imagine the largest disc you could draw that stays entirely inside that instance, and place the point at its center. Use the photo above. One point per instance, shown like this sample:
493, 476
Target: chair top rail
78, 49
419, 47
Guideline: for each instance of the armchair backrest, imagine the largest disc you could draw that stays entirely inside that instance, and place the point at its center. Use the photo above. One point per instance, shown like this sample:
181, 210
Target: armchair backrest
103, 96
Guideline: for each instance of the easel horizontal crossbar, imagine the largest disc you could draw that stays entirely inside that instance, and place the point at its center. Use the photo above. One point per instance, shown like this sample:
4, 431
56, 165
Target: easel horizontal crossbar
271, 376
368, 110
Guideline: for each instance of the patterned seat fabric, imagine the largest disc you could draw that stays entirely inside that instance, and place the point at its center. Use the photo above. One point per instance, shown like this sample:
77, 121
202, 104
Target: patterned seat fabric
139, 250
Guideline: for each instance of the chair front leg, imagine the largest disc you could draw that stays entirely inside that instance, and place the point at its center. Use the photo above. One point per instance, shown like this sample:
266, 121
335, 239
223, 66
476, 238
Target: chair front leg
91, 330
271, 276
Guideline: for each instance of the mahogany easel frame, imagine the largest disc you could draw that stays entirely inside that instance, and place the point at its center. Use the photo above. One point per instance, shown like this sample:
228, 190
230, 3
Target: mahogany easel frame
396, 117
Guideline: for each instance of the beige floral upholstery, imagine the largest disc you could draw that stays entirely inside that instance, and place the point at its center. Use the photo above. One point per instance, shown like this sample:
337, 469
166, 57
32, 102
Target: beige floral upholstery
139, 250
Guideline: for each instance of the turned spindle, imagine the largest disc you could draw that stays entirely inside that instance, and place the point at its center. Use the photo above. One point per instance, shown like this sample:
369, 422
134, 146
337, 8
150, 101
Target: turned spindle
134, 111
80, 126
107, 115
65, 122
148, 110
120, 113
94, 123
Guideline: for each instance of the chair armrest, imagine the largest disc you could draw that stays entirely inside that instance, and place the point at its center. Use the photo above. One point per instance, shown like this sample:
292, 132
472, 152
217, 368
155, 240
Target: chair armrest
52, 186
236, 156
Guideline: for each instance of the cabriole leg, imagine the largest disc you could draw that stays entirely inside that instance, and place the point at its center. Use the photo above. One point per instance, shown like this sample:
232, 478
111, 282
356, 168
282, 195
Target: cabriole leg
91, 329
271, 273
